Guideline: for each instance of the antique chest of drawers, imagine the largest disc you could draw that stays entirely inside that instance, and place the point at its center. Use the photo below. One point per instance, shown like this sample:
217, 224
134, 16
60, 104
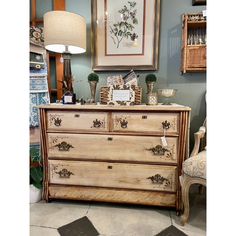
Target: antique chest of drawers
114, 153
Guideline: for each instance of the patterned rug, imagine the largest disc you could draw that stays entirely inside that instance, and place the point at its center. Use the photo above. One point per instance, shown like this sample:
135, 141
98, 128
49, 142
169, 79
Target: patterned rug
84, 227
80, 227
171, 231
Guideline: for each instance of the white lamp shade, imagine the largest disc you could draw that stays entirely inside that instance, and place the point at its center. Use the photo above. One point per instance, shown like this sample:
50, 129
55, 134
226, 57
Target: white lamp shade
62, 29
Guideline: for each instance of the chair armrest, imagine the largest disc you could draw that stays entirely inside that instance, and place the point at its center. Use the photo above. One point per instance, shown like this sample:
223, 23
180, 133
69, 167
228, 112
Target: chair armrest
197, 137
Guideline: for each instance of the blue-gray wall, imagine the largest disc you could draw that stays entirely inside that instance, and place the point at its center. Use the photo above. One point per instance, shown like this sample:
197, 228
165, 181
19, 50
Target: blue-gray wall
191, 87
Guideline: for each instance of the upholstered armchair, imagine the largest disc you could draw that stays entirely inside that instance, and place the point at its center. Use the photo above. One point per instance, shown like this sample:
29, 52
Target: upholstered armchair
193, 171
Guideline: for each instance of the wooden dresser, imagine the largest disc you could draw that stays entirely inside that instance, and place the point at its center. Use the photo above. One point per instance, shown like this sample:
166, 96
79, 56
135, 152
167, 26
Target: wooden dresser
114, 153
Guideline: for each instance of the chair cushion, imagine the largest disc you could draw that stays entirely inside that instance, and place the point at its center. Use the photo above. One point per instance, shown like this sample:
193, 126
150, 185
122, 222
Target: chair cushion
195, 166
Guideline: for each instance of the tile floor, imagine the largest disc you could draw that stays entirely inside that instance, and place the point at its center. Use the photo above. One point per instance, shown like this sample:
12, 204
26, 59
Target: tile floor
116, 219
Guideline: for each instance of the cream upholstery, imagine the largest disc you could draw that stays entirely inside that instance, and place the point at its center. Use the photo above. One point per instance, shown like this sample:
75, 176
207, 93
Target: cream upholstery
195, 166
193, 171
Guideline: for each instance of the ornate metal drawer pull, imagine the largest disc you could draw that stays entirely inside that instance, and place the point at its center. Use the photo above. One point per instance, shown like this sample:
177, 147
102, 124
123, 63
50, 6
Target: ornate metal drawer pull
144, 117
166, 124
97, 123
57, 121
158, 150
64, 146
159, 180
109, 167
109, 138
77, 115
64, 173
124, 123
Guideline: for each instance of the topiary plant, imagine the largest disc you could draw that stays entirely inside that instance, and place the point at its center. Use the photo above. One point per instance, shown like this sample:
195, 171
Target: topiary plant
151, 78
93, 77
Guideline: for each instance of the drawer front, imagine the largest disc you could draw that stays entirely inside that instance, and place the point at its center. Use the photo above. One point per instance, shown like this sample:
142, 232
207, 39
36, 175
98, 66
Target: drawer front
114, 175
77, 120
112, 147
145, 122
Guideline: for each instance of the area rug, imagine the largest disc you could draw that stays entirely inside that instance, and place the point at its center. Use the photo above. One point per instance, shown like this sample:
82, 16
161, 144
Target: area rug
171, 231
80, 227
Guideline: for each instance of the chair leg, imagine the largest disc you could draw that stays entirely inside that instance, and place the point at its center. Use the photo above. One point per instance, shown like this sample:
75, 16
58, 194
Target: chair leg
201, 189
185, 199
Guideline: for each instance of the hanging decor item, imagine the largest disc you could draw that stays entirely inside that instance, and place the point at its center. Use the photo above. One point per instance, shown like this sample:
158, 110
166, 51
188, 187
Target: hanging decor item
36, 36
93, 79
125, 35
36, 61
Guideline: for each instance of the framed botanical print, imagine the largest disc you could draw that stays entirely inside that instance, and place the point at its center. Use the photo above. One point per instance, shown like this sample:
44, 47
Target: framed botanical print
125, 34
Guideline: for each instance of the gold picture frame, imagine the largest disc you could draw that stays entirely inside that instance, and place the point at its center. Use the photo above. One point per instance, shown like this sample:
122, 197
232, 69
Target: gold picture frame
125, 35
198, 2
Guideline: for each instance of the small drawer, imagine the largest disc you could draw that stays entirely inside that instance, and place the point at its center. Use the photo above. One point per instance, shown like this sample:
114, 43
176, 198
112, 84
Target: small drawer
77, 120
145, 122
113, 175
113, 147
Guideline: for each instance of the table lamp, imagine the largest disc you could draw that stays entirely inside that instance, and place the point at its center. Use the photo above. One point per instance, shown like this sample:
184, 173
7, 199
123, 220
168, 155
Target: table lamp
65, 33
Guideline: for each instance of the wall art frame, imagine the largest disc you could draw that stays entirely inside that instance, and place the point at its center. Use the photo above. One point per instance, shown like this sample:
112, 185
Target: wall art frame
198, 2
125, 35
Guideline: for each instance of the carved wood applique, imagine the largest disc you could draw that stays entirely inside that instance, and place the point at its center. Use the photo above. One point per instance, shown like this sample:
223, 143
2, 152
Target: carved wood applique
160, 181
98, 123
55, 120
167, 153
61, 143
166, 125
64, 173
63, 146
121, 122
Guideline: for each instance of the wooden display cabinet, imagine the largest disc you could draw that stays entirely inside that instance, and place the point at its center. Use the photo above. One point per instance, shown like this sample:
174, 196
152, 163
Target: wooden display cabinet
193, 43
57, 5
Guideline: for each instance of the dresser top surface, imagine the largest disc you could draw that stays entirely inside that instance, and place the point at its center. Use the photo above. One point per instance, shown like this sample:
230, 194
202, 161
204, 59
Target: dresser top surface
78, 106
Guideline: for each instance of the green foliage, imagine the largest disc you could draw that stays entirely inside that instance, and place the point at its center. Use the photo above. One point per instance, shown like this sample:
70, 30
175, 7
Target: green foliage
124, 28
151, 78
36, 169
36, 176
93, 77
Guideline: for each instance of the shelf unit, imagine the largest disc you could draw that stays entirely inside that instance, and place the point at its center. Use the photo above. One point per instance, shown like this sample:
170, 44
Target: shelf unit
193, 43
57, 92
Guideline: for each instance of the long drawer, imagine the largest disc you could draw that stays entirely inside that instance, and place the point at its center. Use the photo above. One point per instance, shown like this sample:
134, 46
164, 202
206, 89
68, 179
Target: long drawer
112, 147
77, 121
145, 122
114, 175
154, 198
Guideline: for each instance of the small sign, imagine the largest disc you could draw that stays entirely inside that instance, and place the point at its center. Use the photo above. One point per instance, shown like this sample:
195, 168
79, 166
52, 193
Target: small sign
164, 142
121, 95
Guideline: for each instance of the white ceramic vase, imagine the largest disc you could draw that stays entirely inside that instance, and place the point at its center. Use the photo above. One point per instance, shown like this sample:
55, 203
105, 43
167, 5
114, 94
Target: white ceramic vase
35, 194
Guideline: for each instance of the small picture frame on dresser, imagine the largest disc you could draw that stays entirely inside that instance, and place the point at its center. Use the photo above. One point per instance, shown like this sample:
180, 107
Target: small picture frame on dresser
121, 95
69, 98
